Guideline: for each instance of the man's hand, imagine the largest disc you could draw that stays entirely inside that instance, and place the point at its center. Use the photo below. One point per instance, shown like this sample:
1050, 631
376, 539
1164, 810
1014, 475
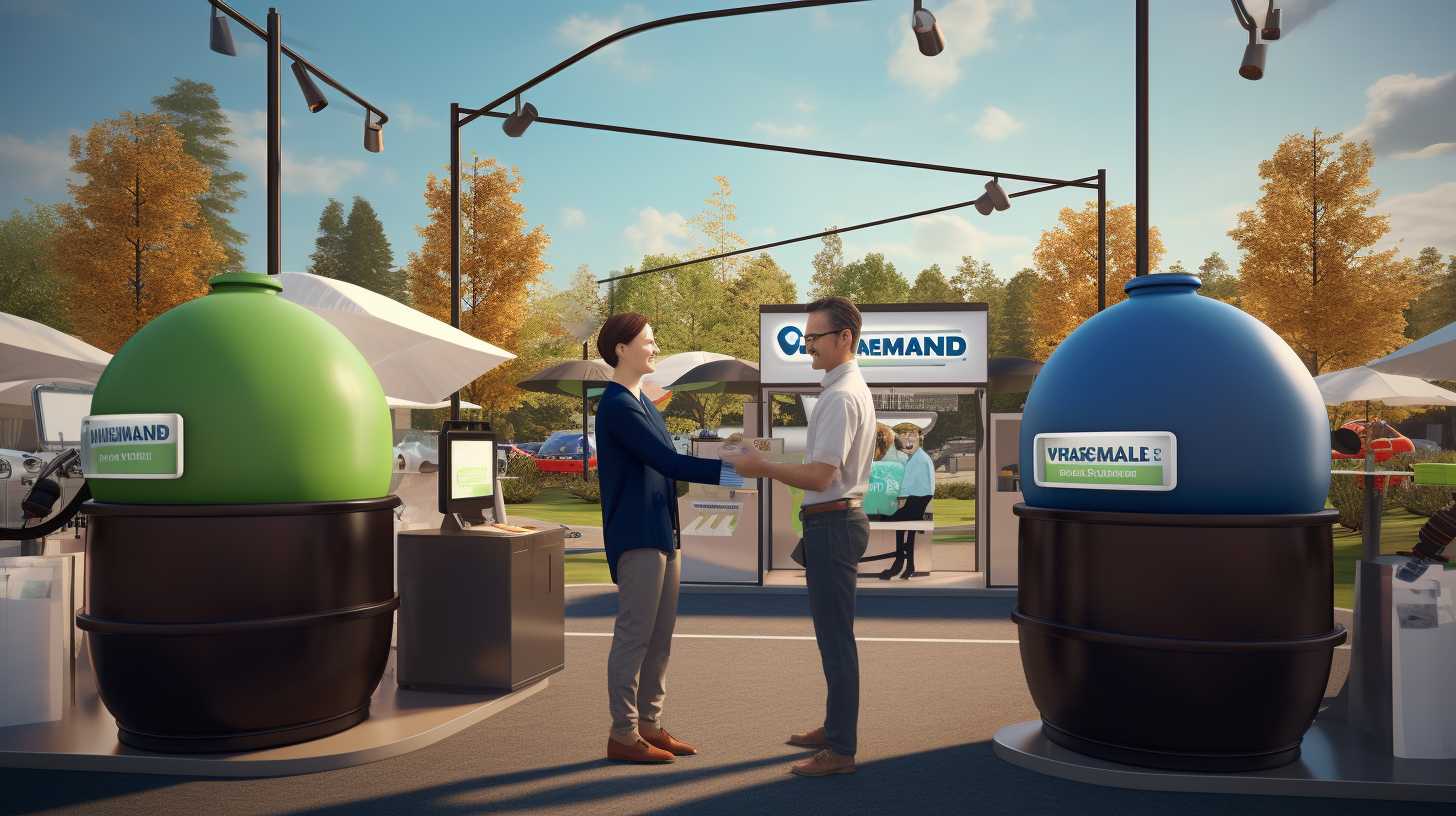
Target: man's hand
747, 461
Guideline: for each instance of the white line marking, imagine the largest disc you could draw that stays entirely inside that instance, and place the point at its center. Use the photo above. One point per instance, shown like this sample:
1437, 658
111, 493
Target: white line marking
970, 641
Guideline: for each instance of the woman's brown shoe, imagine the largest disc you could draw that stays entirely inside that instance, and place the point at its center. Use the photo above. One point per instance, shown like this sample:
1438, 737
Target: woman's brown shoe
642, 752
669, 743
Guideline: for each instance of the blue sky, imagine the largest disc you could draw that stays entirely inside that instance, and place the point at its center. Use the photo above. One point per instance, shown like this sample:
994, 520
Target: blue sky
1043, 88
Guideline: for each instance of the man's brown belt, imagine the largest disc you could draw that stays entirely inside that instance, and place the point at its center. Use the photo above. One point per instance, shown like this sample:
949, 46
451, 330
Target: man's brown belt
825, 507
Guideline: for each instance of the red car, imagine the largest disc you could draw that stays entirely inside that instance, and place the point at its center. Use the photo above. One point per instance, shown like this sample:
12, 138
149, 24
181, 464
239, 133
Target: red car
1388, 443
561, 453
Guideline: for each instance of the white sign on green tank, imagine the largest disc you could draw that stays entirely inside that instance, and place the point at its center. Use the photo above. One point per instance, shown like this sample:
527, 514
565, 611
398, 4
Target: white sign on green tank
1110, 460
132, 446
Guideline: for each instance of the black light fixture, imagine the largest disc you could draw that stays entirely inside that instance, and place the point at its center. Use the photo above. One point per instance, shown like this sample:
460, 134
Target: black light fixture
222, 36
927, 33
373, 133
1271, 23
1253, 65
993, 199
311, 94
516, 123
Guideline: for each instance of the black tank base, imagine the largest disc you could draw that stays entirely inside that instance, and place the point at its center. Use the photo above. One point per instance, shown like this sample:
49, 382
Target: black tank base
1168, 760
235, 743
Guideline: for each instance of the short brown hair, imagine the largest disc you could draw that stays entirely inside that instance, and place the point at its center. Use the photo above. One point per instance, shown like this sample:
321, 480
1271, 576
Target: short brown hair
842, 313
619, 328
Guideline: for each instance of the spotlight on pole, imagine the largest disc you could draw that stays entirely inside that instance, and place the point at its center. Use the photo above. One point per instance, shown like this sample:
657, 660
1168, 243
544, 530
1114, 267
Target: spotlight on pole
222, 37
993, 199
516, 124
927, 33
373, 133
1271, 24
1253, 65
311, 94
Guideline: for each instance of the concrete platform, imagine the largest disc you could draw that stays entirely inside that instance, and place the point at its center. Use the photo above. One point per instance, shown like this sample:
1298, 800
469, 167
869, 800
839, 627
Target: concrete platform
1333, 763
400, 721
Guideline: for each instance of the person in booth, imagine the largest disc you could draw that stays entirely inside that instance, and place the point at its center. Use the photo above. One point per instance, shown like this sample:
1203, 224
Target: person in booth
917, 488
639, 470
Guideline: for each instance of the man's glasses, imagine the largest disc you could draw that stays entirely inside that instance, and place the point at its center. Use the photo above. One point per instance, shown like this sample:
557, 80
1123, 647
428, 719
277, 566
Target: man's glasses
810, 338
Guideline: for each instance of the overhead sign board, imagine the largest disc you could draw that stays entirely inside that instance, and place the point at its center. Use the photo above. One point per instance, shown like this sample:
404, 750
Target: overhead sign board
901, 344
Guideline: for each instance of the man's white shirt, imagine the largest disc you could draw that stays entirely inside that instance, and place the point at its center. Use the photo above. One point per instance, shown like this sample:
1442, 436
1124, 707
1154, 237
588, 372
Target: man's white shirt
842, 433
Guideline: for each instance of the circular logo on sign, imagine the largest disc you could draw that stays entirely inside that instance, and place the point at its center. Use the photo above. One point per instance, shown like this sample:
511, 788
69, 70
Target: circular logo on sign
789, 339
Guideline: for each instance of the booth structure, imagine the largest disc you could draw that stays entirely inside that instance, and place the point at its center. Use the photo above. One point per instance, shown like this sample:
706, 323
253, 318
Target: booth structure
926, 365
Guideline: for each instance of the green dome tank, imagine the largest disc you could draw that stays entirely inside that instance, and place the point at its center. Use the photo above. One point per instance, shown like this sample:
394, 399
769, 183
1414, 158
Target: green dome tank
276, 404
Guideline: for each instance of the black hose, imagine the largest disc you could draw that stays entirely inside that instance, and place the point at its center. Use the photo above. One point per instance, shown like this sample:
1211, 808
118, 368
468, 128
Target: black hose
57, 521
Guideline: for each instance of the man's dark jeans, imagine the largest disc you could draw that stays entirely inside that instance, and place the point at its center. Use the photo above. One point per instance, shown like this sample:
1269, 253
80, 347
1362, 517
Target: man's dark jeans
834, 541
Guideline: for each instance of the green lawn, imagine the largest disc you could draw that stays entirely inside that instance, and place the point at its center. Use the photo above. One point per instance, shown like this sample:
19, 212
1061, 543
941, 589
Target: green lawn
1398, 530
555, 504
590, 568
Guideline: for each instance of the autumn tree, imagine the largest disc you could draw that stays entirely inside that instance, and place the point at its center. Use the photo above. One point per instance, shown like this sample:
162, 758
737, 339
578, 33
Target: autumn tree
1309, 270
192, 108
133, 243
1218, 282
30, 286
500, 257
327, 259
1066, 260
931, 287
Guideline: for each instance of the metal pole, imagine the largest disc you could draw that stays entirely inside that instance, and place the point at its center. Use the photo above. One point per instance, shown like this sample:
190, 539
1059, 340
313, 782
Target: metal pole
275, 149
585, 439
1101, 240
455, 235
1142, 137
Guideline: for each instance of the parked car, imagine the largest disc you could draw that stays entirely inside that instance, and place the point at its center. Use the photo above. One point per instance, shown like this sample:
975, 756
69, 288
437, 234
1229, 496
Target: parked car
561, 453
513, 450
418, 451
18, 470
532, 448
1426, 446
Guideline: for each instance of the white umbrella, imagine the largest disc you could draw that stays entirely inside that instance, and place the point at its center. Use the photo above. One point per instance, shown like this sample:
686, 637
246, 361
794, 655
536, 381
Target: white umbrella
415, 356
18, 392
1432, 357
29, 350
673, 366
396, 402
1366, 384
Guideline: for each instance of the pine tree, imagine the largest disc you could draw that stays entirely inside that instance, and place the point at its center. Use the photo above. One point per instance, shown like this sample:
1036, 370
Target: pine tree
327, 259
367, 258
192, 108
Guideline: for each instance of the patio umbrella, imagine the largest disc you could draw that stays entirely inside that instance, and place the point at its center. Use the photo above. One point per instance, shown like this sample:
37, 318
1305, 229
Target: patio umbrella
415, 356
673, 366
574, 378
1363, 383
1011, 375
18, 392
396, 402
30, 350
730, 376
1432, 357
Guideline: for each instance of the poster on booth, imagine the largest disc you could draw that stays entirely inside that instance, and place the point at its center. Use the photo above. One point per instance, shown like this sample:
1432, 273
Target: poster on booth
1111, 460
717, 519
132, 446
933, 345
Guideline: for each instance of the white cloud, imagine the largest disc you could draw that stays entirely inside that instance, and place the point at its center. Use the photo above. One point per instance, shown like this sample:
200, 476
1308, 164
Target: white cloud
996, 125
404, 116
803, 106
1410, 116
581, 30
572, 217
657, 232
301, 174
1422, 219
777, 131
942, 239
41, 166
966, 27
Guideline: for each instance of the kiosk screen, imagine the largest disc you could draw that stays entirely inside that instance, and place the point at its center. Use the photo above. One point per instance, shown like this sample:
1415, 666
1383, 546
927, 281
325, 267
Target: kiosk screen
472, 468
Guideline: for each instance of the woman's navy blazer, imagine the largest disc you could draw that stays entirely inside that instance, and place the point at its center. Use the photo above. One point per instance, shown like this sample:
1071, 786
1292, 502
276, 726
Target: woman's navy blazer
638, 469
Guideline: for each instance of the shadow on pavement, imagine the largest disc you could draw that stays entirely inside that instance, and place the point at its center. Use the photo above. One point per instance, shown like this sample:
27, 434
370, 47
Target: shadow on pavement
603, 604
31, 791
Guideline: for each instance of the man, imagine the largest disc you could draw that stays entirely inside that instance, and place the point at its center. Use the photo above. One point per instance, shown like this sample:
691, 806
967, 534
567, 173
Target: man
834, 476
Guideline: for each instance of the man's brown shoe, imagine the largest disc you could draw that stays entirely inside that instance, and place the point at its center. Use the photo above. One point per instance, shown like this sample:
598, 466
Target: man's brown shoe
642, 752
824, 763
669, 743
813, 739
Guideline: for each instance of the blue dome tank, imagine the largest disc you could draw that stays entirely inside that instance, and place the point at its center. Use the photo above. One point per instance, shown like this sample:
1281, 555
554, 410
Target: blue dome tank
1171, 402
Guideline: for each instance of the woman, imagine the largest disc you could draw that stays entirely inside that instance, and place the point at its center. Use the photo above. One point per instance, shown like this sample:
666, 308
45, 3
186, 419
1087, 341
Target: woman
638, 469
